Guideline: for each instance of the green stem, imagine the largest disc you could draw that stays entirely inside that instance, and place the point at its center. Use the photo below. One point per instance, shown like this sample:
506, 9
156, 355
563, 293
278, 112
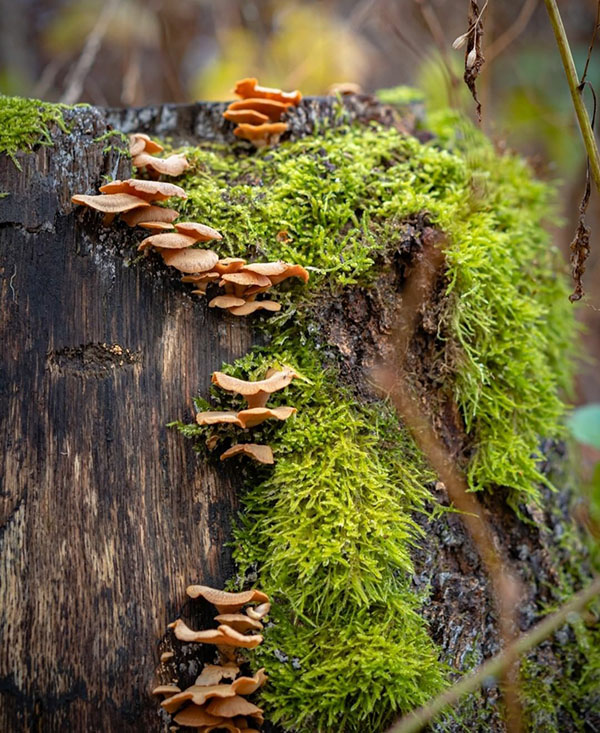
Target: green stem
576, 94
495, 666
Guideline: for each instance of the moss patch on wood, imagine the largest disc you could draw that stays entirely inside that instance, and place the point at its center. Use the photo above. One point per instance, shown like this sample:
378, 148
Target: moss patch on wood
328, 530
25, 123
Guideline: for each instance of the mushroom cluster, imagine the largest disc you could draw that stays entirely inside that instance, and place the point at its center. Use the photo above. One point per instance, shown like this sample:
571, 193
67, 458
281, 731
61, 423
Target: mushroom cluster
141, 148
258, 113
212, 703
134, 200
242, 282
256, 395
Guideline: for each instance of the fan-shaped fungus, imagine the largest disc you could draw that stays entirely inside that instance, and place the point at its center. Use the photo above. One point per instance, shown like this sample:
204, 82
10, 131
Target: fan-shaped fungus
253, 306
151, 213
156, 226
170, 690
200, 232
112, 204
226, 301
248, 685
257, 415
173, 165
269, 107
224, 601
258, 612
170, 240
260, 453
249, 88
140, 142
197, 695
215, 418
255, 393
240, 622
229, 708
195, 716
247, 116
261, 135
147, 190
212, 674
189, 260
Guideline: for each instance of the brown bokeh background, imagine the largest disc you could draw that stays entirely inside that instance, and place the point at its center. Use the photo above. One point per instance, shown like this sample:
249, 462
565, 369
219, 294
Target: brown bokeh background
152, 51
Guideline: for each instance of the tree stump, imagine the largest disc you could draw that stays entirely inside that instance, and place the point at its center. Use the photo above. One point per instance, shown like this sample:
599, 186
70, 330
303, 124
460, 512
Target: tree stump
106, 515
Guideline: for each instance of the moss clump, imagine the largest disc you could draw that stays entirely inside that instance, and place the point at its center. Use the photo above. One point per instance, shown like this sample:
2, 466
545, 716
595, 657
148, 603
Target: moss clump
336, 201
24, 123
330, 529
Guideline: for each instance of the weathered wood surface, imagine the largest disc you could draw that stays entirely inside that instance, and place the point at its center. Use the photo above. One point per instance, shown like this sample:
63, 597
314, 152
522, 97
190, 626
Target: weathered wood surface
106, 515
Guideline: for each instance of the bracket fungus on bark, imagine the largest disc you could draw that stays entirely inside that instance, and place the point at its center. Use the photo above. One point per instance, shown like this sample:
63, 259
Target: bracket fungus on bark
257, 114
141, 148
139, 142
256, 393
260, 453
152, 213
198, 705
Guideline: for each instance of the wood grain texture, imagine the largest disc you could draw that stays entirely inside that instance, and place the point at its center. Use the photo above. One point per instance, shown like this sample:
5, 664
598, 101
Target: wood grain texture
105, 514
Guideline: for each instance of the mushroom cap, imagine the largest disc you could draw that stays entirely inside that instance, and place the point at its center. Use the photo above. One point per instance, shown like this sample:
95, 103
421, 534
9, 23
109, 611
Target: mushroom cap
147, 190
259, 612
150, 213
139, 141
256, 415
212, 674
260, 453
197, 695
216, 418
240, 622
276, 381
225, 599
292, 271
190, 260
184, 633
229, 264
266, 268
247, 116
200, 232
272, 108
170, 240
225, 301
156, 226
248, 685
173, 165
166, 655
112, 204
249, 88
200, 277
246, 278
194, 715
232, 706
234, 638
168, 690
256, 305
260, 132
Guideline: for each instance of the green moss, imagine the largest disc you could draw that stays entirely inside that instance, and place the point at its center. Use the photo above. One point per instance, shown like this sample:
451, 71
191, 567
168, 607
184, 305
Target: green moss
115, 140
330, 528
24, 123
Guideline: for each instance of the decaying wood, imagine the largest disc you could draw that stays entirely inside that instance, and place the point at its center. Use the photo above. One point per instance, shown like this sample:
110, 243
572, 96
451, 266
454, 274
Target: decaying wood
105, 514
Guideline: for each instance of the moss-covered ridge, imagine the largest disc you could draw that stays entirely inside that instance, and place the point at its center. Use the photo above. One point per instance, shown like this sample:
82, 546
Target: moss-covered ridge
329, 528
334, 202
25, 123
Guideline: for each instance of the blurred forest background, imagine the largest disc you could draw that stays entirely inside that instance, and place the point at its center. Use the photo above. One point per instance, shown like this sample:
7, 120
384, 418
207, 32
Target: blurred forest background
153, 51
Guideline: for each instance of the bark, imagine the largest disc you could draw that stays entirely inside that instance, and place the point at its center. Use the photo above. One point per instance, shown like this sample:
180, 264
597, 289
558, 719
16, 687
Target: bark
106, 515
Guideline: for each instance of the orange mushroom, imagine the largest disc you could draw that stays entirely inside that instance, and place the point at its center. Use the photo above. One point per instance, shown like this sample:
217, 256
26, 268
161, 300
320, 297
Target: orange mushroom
257, 415
200, 232
112, 204
173, 165
140, 142
229, 708
226, 301
156, 226
261, 135
258, 612
269, 107
169, 690
255, 393
240, 622
197, 695
229, 264
215, 418
151, 213
170, 240
248, 116
246, 278
249, 88
212, 674
248, 685
224, 601
189, 260
147, 190
253, 306
260, 453
194, 716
